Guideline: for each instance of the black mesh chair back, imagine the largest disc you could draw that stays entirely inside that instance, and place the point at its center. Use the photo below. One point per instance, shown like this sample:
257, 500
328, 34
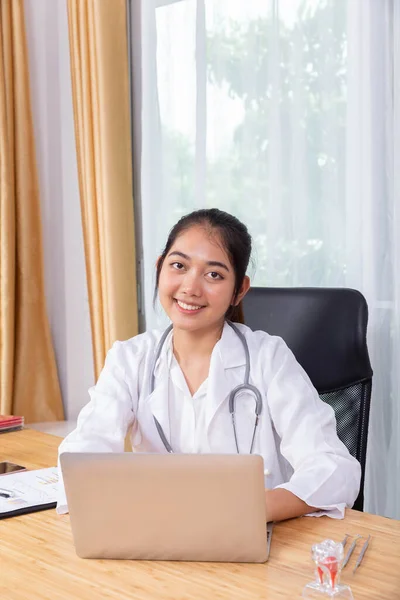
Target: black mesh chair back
326, 330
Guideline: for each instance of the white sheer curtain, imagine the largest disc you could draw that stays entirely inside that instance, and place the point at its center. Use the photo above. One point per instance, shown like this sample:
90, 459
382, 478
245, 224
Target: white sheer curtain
285, 113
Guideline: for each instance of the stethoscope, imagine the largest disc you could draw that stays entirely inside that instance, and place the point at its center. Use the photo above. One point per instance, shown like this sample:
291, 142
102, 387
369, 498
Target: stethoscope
232, 396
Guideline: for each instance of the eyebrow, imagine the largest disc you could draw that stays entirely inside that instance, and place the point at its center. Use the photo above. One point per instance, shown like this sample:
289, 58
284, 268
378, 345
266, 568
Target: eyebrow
210, 263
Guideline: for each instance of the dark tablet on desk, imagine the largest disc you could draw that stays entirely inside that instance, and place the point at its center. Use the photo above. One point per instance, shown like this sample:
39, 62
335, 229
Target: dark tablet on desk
9, 467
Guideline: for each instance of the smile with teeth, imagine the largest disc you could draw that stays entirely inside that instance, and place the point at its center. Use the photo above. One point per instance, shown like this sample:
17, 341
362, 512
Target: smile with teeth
188, 306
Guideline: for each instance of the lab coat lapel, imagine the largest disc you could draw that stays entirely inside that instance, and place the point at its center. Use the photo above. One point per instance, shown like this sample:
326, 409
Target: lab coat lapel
224, 374
157, 403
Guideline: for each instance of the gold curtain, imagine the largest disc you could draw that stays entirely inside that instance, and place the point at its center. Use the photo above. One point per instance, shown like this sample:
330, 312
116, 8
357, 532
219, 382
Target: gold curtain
100, 87
28, 375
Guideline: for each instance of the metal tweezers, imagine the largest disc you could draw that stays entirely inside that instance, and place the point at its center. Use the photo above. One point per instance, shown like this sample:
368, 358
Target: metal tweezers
361, 555
350, 550
270, 527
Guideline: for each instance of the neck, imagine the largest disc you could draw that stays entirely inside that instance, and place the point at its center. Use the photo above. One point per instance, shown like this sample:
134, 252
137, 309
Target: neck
189, 344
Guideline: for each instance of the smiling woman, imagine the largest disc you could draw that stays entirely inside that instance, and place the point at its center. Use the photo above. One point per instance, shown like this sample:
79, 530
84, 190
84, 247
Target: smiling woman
204, 287
209, 278
174, 388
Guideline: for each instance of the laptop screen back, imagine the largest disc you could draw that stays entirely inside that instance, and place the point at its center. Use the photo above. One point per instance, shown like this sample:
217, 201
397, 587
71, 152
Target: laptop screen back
195, 507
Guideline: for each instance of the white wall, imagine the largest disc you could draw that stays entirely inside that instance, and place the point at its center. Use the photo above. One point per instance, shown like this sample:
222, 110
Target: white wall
65, 276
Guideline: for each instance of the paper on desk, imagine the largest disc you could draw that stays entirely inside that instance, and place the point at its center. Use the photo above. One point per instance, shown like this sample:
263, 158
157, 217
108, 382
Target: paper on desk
29, 488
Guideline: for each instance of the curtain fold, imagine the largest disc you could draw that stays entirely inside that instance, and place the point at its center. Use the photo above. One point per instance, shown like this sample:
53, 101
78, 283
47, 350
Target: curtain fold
373, 227
100, 84
28, 375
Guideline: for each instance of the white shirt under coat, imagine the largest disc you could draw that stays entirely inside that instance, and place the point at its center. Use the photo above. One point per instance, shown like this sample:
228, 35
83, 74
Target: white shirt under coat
296, 434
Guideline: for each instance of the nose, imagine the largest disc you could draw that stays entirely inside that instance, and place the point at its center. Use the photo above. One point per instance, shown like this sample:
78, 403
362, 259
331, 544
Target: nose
191, 285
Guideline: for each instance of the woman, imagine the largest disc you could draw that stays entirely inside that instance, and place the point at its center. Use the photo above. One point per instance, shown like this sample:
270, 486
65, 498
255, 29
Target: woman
201, 280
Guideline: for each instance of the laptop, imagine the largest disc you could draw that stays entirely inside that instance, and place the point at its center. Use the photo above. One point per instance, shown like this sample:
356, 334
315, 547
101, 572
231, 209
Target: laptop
192, 507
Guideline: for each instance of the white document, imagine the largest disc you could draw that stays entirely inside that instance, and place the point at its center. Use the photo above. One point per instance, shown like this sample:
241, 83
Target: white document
28, 489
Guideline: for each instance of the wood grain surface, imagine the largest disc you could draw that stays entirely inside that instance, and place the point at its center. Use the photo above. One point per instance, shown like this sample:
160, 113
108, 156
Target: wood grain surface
37, 557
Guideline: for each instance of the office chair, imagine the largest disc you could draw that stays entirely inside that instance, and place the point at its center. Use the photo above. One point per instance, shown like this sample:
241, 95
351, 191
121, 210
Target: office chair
326, 330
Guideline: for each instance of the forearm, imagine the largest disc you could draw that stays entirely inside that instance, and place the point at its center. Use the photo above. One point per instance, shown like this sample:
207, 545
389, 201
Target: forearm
282, 504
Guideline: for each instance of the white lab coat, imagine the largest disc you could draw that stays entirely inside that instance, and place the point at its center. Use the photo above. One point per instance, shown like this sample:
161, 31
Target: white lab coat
296, 435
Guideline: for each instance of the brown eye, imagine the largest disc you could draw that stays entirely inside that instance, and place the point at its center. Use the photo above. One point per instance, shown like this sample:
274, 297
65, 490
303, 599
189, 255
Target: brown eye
215, 276
177, 265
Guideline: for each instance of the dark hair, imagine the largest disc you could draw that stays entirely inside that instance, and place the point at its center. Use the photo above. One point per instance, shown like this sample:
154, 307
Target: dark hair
235, 239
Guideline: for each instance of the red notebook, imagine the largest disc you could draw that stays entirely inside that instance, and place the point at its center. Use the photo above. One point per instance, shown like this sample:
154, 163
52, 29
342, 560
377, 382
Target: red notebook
11, 423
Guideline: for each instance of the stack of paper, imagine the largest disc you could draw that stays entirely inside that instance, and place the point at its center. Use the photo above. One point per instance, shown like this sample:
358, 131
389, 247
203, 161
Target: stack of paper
28, 491
10, 423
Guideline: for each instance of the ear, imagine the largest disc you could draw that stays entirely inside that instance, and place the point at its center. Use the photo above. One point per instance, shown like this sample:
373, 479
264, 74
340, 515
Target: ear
243, 291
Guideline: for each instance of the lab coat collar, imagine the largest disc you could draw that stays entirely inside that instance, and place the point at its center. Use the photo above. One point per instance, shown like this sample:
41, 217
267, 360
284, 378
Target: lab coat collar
165, 357
229, 348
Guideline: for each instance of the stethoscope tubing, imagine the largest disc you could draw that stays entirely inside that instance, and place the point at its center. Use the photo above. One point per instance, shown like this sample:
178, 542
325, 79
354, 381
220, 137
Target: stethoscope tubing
245, 386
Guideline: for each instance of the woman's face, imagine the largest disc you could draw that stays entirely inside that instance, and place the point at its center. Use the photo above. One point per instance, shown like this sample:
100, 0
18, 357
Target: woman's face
197, 281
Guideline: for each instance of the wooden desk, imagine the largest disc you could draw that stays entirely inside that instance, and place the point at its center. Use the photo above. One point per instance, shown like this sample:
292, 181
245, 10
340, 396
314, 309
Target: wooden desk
37, 557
